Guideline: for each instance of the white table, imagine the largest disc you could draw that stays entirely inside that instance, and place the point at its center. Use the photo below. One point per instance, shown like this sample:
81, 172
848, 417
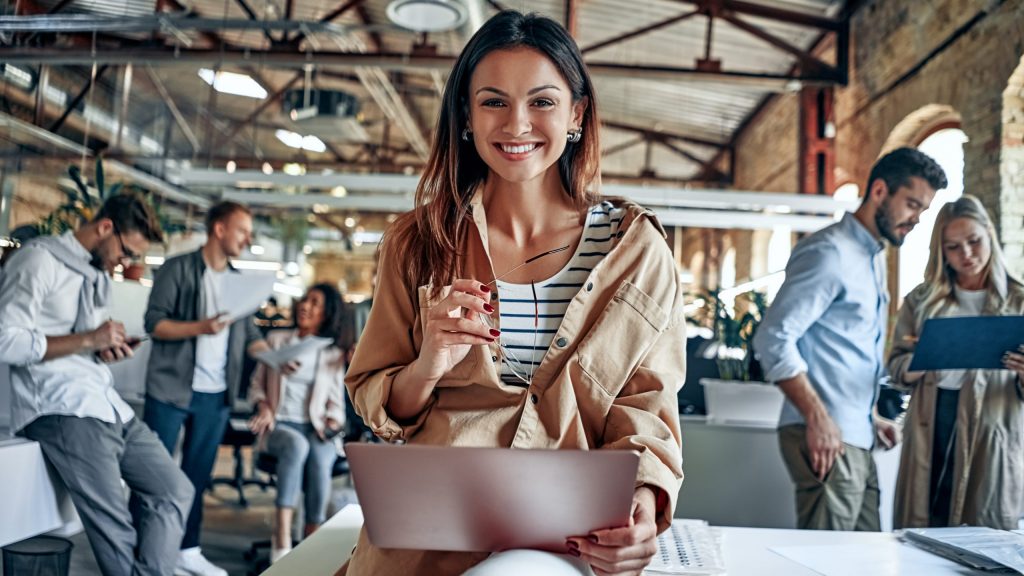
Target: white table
32, 501
747, 551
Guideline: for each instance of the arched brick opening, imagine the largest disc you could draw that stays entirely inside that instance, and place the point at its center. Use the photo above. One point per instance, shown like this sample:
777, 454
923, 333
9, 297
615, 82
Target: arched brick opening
1011, 171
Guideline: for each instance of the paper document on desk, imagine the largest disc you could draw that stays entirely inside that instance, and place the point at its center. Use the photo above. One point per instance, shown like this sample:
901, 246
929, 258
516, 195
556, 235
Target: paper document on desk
688, 547
277, 358
890, 558
978, 547
243, 294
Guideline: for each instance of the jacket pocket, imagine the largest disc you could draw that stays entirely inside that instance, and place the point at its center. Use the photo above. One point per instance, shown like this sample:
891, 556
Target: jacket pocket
462, 373
626, 329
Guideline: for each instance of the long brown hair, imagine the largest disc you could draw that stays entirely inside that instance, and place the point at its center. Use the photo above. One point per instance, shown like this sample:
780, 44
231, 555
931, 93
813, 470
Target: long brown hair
428, 240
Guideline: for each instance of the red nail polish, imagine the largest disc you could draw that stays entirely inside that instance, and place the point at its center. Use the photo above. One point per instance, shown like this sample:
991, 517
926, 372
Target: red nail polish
592, 538
488, 307
490, 339
574, 552
485, 288
495, 333
572, 545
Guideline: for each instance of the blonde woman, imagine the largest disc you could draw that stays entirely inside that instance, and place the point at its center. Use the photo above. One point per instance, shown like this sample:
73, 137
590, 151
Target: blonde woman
963, 454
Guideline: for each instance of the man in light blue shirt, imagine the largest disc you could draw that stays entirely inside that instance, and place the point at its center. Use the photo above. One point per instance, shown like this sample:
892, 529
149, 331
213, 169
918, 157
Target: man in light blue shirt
823, 339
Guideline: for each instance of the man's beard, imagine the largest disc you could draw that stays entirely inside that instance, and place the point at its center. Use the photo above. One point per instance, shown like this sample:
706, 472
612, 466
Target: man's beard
886, 227
97, 260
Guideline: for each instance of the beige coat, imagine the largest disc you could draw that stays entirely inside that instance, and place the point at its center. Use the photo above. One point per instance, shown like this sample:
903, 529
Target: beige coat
327, 398
610, 384
988, 460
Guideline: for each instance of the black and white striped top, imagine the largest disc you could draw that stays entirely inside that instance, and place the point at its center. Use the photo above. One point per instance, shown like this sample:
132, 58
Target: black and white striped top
532, 314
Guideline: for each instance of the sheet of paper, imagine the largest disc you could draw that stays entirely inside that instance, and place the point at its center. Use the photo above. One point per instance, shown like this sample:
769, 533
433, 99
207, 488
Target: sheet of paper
242, 294
886, 559
970, 342
277, 358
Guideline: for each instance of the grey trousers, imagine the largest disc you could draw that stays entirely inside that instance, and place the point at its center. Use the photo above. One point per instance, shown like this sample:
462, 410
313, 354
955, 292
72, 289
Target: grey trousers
848, 497
91, 457
304, 462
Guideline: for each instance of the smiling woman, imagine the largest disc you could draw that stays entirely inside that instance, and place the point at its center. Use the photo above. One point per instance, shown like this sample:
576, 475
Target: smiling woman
515, 309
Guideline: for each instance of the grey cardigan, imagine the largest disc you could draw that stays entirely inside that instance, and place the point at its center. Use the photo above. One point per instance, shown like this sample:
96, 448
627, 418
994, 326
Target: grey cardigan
177, 295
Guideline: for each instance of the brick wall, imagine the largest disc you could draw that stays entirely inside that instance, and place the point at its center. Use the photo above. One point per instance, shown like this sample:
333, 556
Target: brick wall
907, 55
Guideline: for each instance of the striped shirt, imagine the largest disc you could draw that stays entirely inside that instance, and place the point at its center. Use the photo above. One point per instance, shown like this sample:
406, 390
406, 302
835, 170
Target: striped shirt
532, 313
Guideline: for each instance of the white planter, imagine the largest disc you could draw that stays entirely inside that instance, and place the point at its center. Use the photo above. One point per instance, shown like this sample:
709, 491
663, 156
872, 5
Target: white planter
736, 402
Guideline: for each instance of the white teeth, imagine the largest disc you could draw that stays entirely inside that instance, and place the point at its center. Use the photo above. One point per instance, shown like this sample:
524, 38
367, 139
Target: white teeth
518, 149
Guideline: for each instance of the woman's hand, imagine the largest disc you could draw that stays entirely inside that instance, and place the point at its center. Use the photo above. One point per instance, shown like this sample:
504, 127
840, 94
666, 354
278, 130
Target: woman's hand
453, 326
263, 421
1015, 361
622, 551
911, 376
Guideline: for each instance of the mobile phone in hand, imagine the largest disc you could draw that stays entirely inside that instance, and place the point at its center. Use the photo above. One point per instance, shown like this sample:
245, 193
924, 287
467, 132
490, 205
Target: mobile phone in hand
134, 342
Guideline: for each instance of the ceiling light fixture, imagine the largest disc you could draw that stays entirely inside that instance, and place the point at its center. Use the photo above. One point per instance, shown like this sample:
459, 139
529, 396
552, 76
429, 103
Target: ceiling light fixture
232, 83
427, 15
298, 141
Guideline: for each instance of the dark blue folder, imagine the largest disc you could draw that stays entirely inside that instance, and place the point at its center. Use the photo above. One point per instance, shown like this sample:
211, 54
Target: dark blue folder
970, 342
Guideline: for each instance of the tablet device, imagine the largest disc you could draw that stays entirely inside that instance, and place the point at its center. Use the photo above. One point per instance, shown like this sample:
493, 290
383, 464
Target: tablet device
488, 499
967, 343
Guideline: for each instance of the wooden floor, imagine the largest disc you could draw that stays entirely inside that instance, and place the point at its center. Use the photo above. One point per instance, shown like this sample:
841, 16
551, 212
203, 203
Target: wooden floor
228, 529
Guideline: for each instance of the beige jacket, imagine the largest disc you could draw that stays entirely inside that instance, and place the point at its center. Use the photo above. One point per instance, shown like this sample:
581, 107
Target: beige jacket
988, 461
326, 400
609, 380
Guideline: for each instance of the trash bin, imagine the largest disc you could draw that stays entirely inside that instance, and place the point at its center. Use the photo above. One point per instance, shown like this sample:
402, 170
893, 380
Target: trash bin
39, 556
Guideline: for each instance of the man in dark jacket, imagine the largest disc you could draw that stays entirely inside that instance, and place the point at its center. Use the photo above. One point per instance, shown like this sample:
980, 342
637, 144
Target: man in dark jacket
196, 365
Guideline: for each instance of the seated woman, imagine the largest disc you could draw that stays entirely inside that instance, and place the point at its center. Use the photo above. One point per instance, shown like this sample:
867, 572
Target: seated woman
964, 435
297, 414
515, 308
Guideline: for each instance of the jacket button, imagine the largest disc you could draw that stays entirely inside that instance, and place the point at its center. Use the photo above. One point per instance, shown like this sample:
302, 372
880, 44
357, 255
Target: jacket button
494, 358
534, 399
494, 295
590, 286
561, 342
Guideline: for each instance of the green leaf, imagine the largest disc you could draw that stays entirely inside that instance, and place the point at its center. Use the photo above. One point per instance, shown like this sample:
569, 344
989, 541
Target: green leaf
100, 179
76, 176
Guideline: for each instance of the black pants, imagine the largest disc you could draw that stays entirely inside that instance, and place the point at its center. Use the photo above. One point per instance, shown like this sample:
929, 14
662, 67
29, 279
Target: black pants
941, 485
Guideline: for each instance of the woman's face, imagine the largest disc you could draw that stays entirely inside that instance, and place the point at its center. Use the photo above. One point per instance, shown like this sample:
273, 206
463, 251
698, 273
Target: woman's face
966, 246
309, 313
520, 110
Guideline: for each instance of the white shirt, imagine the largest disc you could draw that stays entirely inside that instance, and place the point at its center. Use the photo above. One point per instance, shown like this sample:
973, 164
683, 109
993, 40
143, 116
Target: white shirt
39, 298
968, 303
210, 374
297, 388
532, 314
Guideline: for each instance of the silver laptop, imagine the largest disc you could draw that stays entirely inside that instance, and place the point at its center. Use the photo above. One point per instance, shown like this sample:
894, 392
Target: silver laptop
489, 499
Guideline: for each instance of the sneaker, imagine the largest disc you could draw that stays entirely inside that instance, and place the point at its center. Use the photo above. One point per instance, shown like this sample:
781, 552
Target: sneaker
191, 562
278, 553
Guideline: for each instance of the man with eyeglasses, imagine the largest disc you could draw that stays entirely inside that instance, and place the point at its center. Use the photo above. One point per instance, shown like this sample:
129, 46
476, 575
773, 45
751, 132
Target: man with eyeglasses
57, 339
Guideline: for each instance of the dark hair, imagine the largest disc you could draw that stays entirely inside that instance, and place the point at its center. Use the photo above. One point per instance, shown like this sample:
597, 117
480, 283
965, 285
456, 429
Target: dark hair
429, 238
334, 313
222, 211
130, 212
897, 168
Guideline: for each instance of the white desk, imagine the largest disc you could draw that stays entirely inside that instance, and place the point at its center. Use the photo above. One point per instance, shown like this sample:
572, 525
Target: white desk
746, 550
31, 501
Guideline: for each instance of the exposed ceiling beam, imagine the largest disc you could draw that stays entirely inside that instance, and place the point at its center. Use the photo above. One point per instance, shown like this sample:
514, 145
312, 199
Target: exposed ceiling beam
572, 8
808, 63
252, 16
658, 134
78, 98
328, 18
387, 61
623, 146
638, 32
270, 101
771, 13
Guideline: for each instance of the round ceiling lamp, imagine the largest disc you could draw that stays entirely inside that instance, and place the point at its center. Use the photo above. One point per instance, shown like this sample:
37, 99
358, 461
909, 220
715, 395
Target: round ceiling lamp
427, 15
